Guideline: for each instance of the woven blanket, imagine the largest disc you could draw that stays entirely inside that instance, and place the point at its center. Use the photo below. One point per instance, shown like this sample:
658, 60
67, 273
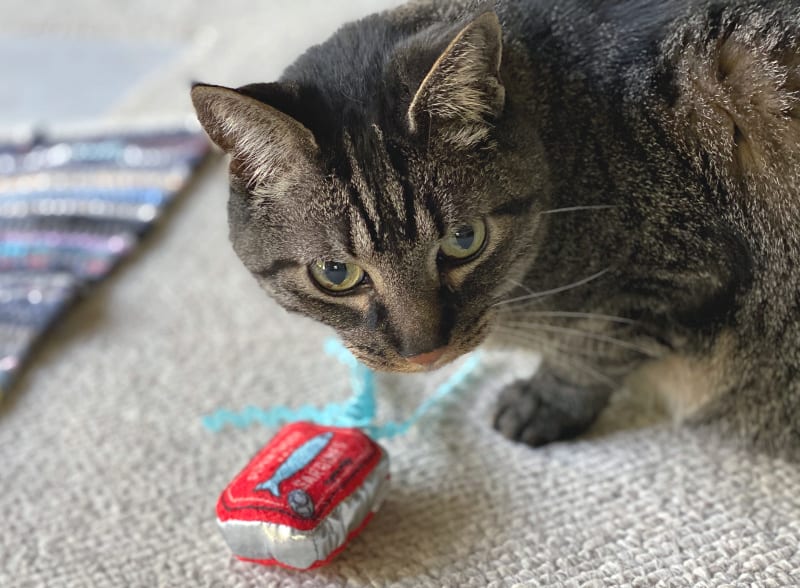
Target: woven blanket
70, 208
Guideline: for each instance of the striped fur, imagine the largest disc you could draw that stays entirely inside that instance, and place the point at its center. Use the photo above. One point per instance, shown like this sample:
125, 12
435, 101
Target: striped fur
636, 164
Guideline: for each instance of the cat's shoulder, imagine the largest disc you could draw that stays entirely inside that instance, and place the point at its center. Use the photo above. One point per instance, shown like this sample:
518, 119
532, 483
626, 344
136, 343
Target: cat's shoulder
732, 74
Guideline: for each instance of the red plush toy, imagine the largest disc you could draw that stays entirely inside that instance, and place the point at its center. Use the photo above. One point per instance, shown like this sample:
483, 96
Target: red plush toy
304, 496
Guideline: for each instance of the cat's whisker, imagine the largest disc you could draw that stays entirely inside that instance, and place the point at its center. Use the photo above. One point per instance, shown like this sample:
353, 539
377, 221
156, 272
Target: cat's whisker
568, 314
581, 366
532, 327
542, 345
566, 356
551, 291
519, 285
579, 208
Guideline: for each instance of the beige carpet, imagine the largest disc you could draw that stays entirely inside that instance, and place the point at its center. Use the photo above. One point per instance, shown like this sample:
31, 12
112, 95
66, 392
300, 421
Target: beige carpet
109, 479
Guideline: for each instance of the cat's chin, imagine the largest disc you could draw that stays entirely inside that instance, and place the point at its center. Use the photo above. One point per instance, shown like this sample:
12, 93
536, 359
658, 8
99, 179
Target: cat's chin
404, 366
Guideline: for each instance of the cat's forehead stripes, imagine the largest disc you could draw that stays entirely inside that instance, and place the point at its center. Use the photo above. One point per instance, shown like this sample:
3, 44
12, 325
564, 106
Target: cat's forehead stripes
394, 190
385, 209
364, 191
363, 237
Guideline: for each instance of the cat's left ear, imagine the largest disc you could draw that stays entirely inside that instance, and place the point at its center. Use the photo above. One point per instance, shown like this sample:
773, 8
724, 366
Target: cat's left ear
462, 92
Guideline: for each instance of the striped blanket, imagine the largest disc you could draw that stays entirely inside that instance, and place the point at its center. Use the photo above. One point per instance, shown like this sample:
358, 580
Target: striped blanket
71, 207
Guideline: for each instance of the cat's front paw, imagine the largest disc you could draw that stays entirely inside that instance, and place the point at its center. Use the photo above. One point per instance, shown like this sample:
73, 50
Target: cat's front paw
545, 409
523, 415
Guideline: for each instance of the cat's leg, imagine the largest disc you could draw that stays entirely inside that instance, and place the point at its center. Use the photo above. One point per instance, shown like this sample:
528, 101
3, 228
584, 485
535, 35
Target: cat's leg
758, 405
548, 407
742, 387
762, 413
582, 365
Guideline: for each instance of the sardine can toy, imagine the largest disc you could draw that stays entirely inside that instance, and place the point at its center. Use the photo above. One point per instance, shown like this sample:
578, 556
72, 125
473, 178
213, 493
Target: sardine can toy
320, 480
303, 496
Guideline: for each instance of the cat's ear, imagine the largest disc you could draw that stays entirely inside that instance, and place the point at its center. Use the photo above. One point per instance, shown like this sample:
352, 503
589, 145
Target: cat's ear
463, 92
265, 143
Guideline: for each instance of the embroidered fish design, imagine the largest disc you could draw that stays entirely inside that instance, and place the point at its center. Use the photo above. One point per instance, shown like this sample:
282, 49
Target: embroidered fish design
300, 458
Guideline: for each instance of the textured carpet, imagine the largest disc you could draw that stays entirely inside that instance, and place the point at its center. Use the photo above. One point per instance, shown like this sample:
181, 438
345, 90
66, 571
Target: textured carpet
110, 480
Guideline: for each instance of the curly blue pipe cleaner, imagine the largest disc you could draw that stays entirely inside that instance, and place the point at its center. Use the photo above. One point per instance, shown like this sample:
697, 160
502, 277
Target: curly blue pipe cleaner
359, 411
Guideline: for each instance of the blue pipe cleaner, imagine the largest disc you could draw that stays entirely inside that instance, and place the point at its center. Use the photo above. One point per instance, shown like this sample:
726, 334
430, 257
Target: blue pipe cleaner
359, 411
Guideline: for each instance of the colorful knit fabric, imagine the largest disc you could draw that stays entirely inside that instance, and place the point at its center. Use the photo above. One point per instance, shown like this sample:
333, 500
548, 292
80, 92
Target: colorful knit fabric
70, 209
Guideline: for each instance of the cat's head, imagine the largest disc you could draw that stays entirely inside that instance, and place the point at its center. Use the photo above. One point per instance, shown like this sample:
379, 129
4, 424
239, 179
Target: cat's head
389, 191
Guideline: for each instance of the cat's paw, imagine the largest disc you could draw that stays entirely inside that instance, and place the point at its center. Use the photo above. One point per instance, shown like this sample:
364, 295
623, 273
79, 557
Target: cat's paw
544, 409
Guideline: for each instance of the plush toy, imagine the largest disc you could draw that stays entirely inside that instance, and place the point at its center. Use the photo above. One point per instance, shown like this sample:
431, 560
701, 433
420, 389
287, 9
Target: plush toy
303, 496
318, 482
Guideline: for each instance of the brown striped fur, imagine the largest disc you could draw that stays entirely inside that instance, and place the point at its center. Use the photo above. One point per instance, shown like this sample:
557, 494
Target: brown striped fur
637, 164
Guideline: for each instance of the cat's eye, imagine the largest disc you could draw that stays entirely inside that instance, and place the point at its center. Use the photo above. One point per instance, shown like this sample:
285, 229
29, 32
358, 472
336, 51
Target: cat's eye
336, 276
464, 242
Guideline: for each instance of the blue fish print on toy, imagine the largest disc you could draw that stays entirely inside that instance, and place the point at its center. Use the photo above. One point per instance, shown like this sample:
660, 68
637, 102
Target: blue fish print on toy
299, 459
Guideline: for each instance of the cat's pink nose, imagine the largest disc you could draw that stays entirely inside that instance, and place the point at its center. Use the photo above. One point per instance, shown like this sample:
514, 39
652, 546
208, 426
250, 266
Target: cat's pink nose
429, 358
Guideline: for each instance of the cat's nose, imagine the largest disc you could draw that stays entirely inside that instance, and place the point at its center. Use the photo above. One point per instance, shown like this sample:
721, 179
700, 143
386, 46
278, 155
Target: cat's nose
428, 358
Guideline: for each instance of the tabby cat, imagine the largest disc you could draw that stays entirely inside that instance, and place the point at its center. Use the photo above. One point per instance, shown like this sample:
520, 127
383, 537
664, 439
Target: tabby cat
615, 183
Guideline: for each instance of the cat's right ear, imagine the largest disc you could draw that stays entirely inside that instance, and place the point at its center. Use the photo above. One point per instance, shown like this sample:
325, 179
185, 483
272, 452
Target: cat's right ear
264, 142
